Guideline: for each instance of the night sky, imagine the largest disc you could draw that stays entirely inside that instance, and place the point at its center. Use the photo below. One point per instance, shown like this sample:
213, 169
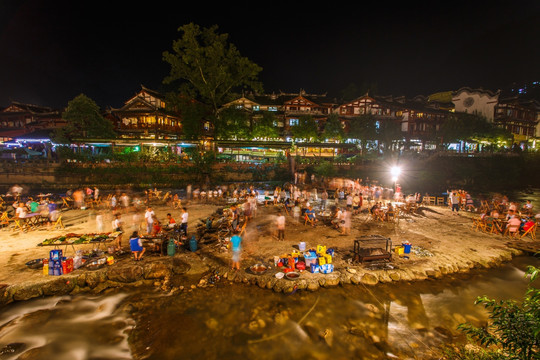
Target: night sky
53, 50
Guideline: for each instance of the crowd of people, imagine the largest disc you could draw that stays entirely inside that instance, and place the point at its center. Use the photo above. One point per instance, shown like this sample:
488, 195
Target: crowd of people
310, 205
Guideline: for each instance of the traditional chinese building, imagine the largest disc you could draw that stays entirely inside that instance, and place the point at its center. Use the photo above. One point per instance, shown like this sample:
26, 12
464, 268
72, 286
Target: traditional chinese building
146, 116
19, 119
519, 116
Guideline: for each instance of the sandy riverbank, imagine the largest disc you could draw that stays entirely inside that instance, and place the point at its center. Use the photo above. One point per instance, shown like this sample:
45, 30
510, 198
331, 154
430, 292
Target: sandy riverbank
454, 247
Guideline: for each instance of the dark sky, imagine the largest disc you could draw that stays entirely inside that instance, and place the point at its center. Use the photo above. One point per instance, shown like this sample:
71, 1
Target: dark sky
53, 50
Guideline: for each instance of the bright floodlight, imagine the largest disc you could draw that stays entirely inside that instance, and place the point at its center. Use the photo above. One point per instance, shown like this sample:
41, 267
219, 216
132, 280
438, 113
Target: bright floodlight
395, 171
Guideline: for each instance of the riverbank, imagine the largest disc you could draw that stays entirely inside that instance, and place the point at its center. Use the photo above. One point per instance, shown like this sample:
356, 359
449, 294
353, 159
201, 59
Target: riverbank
445, 244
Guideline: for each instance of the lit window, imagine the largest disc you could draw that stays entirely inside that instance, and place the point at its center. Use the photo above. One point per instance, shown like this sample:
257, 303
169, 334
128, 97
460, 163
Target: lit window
256, 107
272, 108
293, 122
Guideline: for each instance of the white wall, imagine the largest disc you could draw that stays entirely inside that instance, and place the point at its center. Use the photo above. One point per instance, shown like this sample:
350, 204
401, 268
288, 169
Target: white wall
476, 102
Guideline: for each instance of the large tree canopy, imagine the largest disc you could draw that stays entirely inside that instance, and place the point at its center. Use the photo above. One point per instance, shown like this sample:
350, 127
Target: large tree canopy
333, 129
84, 121
470, 127
208, 67
265, 126
306, 128
232, 124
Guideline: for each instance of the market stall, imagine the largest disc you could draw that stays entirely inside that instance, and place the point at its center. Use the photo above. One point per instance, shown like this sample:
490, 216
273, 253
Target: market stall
73, 239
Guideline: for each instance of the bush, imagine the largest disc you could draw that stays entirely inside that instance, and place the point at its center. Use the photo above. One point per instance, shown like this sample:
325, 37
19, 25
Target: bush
513, 331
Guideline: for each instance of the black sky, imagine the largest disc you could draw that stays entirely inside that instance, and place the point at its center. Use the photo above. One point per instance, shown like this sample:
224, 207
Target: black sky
53, 50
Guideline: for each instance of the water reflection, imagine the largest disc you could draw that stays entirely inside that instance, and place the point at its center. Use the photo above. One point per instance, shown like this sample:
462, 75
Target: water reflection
233, 321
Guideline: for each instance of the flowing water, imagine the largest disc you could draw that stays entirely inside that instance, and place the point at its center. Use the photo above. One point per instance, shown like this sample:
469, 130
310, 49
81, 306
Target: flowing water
243, 321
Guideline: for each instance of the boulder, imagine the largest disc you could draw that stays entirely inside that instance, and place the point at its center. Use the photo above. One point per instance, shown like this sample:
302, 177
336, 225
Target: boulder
332, 279
156, 270
59, 286
125, 274
25, 291
394, 276
369, 279
180, 267
313, 285
93, 278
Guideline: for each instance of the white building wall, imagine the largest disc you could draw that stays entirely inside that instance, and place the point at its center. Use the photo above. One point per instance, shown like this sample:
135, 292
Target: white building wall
477, 102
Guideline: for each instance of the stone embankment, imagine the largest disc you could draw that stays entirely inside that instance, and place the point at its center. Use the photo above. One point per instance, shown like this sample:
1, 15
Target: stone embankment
187, 271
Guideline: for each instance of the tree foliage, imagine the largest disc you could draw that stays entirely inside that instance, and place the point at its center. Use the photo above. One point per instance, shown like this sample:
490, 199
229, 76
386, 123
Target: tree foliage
306, 128
208, 67
469, 127
388, 131
514, 327
363, 128
232, 124
194, 115
84, 121
333, 128
264, 127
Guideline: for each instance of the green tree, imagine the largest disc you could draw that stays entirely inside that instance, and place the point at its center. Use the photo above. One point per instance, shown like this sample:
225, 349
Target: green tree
84, 121
388, 131
471, 128
265, 127
333, 129
325, 169
232, 124
306, 128
513, 331
208, 67
363, 128
194, 114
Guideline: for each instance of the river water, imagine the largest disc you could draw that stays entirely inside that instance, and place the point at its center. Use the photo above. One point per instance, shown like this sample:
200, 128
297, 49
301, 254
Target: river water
232, 321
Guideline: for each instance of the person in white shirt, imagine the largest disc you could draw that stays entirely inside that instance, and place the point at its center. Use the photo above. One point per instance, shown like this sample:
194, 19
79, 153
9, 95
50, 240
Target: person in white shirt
184, 223
21, 211
149, 217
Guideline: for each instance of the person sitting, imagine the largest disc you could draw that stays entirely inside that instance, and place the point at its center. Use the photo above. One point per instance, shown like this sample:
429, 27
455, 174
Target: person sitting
171, 220
389, 214
156, 227
513, 225
136, 247
310, 216
528, 224
527, 208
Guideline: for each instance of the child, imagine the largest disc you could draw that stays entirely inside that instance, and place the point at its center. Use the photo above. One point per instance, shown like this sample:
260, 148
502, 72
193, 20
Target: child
236, 248
135, 244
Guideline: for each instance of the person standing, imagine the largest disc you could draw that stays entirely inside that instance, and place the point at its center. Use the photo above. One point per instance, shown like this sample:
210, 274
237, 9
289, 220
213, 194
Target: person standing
188, 192
117, 226
454, 200
236, 248
184, 222
346, 226
280, 224
356, 204
324, 198
149, 217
